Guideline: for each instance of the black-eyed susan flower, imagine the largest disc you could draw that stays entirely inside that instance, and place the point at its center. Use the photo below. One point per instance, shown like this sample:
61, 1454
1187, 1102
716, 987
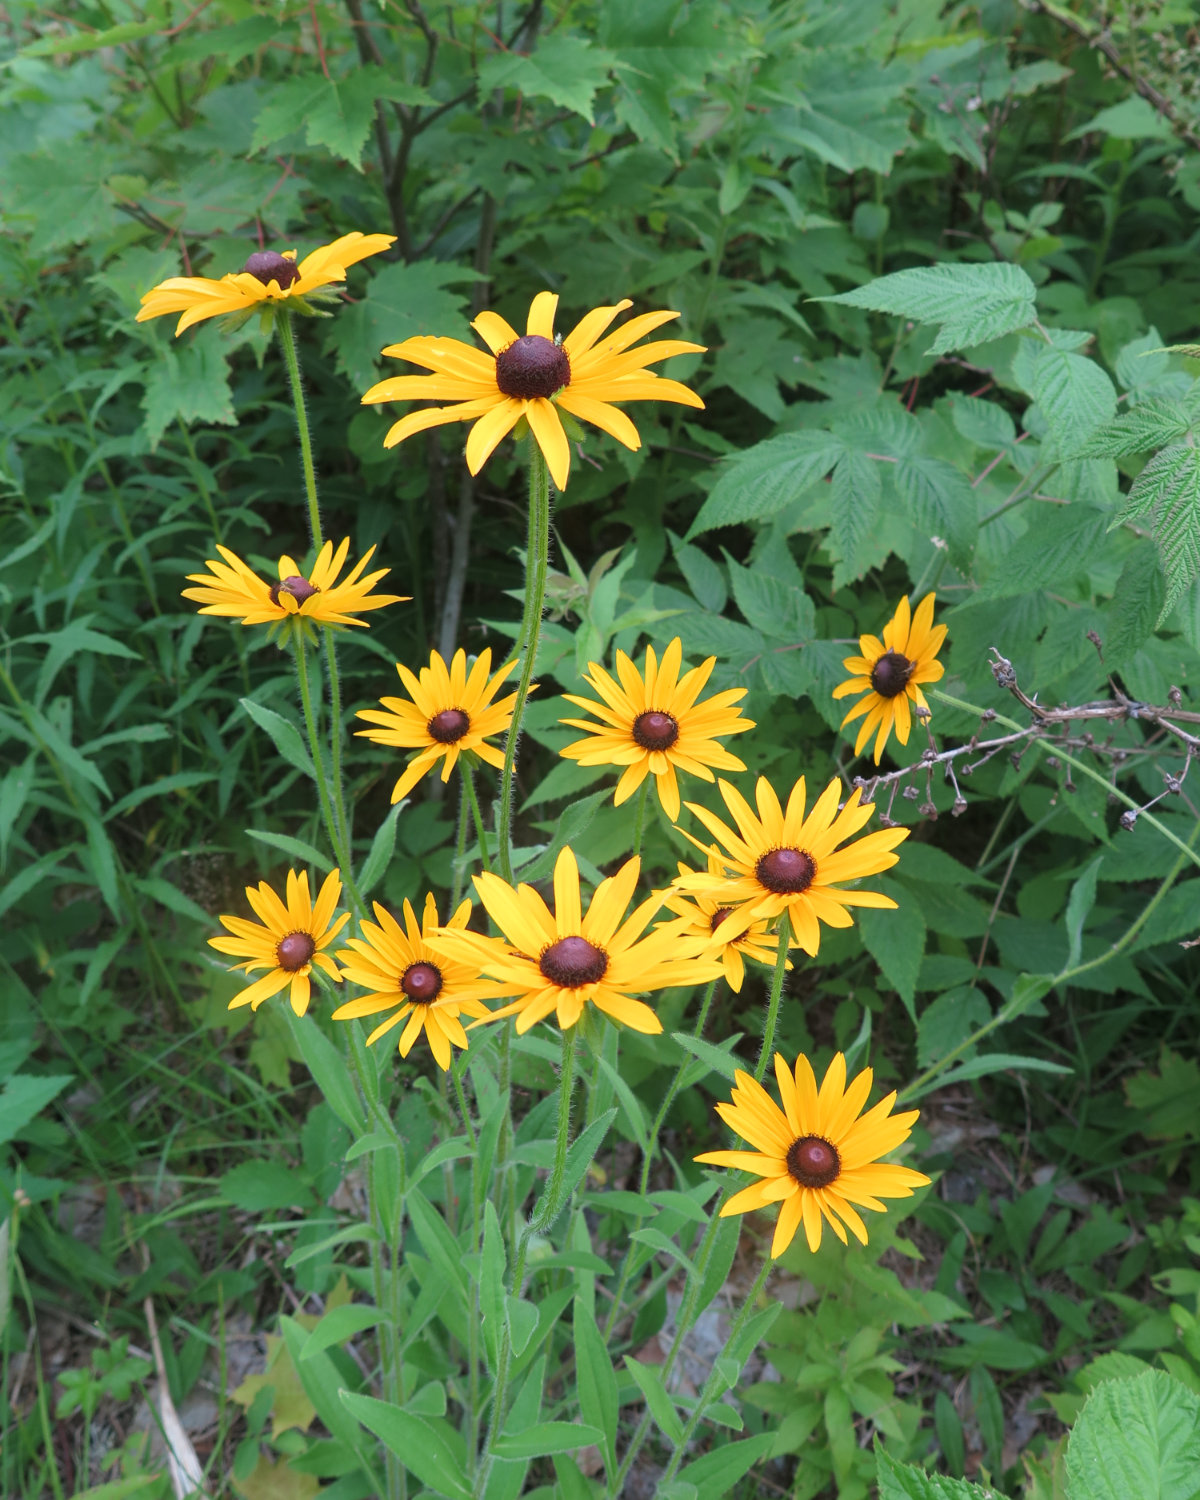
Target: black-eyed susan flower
782, 861
451, 714
890, 672
235, 590
267, 277
532, 375
819, 1154
288, 939
405, 976
653, 725
702, 915
559, 961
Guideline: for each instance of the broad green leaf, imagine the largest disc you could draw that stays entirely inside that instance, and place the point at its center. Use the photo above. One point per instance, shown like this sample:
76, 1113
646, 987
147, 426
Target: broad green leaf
257, 1186
26, 1096
899, 1481
1167, 1101
985, 423
328, 1069
567, 70
1073, 391
1137, 604
423, 1449
1136, 1437
896, 941
597, 1382
1079, 906
939, 500
189, 384
546, 1438
284, 734
1169, 486
857, 492
1062, 542
718, 1472
973, 303
716, 1059
755, 484
383, 846
1151, 424
339, 1326
333, 112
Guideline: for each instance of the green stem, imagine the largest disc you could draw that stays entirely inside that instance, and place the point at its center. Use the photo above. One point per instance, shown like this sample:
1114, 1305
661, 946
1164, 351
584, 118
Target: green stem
648, 1158
337, 794
639, 826
287, 342
460, 851
764, 1057
1081, 766
314, 748
715, 1379
480, 834
536, 559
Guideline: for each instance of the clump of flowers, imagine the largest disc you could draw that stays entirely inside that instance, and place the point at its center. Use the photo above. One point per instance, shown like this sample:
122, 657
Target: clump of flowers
654, 722
534, 377
288, 939
233, 589
819, 1155
703, 915
890, 672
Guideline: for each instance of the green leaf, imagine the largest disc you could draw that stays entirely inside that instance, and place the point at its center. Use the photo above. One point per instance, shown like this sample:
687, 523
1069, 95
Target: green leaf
383, 846
1136, 1437
573, 823
321, 1380
998, 1062
939, 501
1062, 542
189, 384
403, 300
300, 849
545, 1438
339, 1326
579, 1158
26, 1096
597, 1381
1079, 906
334, 112
662, 1408
257, 1186
491, 1286
896, 941
1073, 391
567, 70
522, 1322
417, 1443
973, 303
899, 1481
1137, 603
716, 1059
717, 1473
284, 735
986, 424
1151, 424
328, 1069
857, 492
1170, 486
761, 481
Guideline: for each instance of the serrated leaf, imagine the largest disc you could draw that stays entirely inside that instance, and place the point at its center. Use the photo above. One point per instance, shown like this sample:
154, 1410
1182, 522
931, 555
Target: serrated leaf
1136, 1437
402, 301
567, 70
939, 500
190, 384
1170, 486
333, 112
762, 480
1062, 541
973, 303
857, 492
1073, 391
1137, 603
984, 423
1151, 424
899, 1481
26, 1096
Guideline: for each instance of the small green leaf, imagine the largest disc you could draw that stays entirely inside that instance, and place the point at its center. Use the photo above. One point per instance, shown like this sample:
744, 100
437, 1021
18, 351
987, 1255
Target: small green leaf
328, 1069
284, 735
300, 849
662, 1408
715, 1059
546, 1438
899, 1481
257, 1186
419, 1445
26, 1096
339, 1326
383, 846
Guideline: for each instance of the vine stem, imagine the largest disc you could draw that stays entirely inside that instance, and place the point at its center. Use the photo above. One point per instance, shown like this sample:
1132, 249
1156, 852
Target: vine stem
541, 1221
764, 1057
715, 1378
536, 561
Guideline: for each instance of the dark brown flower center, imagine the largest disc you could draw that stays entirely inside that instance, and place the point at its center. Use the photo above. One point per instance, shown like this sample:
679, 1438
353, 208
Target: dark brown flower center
421, 983
299, 588
295, 950
890, 674
813, 1161
450, 725
269, 266
655, 731
718, 917
533, 366
572, 962
786, 872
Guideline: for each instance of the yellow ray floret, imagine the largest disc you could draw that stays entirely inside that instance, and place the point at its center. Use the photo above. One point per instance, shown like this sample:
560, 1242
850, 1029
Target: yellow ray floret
531, 376
890, 672
782, 861
232, 589
268, 277
451, 713
819, 1156
556, 962
654, 723
403, 975
288, 939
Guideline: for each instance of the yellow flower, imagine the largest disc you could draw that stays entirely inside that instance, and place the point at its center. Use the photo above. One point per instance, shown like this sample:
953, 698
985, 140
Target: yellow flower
818, 1154
784, 862
266, 277
653, 724
404, 975
530, 376
450, 713
287, 939
563, 959
702, 915
233, 589
891, 671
